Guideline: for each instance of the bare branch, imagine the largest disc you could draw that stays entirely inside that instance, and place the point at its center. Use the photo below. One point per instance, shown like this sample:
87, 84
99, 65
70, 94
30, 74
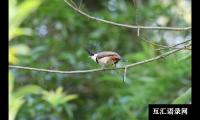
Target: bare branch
126, 25
175, 46
138, 31
165, 46
154, 44
155, 58
124, 76
73, 3
97, 70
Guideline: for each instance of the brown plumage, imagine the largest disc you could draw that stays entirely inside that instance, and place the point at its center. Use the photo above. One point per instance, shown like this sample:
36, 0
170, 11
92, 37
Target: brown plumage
105, 58
107, 53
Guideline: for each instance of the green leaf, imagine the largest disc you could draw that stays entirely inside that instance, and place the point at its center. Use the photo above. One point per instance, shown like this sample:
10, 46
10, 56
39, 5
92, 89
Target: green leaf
28, 89
57, 97
12, 57
22, 11
70, 97
17, 15
20, 49
14, 105
19, 31
184, 98
11, 82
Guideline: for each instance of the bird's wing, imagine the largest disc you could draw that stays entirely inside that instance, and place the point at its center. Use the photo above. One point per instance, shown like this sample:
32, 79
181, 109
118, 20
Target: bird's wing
107, 53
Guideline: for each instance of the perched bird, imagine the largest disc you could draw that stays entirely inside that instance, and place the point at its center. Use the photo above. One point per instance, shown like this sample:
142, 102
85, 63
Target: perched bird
105, 58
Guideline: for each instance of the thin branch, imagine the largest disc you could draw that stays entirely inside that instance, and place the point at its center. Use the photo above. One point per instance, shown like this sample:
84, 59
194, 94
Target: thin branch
154, 44
80, 4
124, 75
155, 58
138, 31
97, 70
175, 46
165, 46
58, 71
73, 3
126, 25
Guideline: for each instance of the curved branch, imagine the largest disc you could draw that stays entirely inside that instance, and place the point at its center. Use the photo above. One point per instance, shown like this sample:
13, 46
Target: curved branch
154, 44
155, 58
59, 71
126, 25
97, 70
175, 46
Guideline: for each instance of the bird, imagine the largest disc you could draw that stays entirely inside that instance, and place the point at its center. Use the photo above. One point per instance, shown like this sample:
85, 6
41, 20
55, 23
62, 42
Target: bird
105, 58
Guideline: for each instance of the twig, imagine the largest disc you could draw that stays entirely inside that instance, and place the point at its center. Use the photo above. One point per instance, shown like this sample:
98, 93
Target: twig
154, 44
126, 25
174, 46
80, 4
164, 46
155, 58
73, 3
97, 70
124, 76
138, 31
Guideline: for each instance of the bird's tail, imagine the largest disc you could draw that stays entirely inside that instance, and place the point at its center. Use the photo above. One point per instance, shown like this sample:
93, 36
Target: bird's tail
90, 52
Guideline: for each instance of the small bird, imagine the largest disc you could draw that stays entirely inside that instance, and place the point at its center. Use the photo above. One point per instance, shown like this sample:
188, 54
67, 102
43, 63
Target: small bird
105, 58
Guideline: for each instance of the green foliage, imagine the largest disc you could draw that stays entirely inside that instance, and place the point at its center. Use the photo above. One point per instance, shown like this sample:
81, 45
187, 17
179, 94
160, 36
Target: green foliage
17, 14
28, 89
57, 37
185, 98
16, 97
58, 97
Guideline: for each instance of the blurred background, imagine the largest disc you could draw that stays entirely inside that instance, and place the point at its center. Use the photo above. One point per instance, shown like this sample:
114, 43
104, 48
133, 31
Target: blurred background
51, 35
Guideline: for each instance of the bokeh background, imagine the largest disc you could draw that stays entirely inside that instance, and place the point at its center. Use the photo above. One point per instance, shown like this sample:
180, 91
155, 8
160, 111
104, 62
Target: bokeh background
49, 34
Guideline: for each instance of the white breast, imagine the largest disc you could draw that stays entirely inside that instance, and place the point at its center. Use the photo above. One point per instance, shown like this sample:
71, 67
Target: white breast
106, 61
